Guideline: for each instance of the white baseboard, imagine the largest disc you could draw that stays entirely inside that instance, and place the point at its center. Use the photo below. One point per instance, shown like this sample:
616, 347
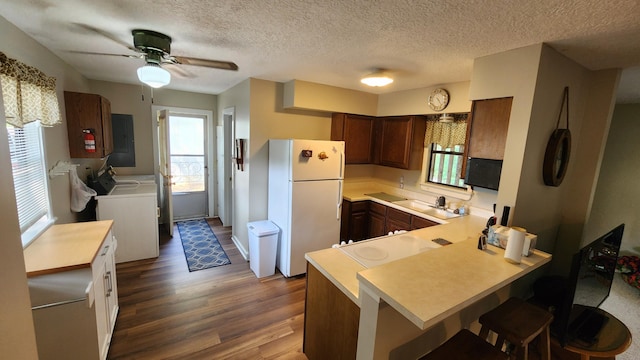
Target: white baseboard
244, 252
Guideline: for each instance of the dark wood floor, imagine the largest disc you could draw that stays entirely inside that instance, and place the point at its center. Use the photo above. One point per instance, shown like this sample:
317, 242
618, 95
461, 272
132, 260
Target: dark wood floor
225, 312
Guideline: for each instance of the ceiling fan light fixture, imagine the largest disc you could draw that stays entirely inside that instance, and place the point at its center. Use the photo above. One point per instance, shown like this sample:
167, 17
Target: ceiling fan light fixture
377, 79
154, 75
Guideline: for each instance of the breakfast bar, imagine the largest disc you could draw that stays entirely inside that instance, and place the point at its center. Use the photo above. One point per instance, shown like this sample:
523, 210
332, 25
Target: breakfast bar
411, 305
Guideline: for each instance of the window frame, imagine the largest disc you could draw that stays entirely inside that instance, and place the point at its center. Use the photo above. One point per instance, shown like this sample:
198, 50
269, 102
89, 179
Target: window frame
461, 193
32, 231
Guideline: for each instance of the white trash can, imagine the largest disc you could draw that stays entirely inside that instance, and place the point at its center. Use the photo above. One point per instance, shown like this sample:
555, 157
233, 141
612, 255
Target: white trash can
263, 247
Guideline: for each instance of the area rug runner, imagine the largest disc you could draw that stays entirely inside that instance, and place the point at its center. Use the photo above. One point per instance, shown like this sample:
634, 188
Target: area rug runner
201, 247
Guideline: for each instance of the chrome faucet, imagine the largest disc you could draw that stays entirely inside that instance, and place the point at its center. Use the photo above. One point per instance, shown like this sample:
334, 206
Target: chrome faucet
440, 202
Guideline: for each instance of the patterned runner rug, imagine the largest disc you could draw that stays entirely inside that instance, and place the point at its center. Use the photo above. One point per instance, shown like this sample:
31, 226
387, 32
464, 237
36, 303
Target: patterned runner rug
201, 247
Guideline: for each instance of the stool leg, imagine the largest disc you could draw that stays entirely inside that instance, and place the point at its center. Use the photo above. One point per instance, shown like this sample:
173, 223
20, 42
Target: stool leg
484, 332
545, 344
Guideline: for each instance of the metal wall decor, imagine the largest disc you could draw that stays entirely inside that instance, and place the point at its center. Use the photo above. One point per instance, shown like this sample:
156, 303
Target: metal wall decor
556, 157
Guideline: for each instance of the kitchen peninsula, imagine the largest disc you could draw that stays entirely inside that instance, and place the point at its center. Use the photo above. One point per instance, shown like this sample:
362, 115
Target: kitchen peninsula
405, 308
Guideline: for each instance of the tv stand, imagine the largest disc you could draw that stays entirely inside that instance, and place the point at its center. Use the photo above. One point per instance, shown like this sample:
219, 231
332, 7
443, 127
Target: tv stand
586, 327
607, 336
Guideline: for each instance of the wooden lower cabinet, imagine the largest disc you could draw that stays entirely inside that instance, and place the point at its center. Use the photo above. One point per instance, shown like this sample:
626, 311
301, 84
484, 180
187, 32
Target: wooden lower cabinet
377, 219
331, 320
419, 223
398, 220
368, 219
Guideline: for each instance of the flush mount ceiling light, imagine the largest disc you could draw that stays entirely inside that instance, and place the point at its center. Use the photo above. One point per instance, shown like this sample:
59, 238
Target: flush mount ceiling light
153, 75
377, 79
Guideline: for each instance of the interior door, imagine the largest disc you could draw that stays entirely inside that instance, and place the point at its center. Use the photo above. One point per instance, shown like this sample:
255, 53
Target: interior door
188, 160
165, 171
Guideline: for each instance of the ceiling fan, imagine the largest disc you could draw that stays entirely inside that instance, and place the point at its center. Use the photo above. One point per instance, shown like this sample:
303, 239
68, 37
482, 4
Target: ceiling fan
155, 49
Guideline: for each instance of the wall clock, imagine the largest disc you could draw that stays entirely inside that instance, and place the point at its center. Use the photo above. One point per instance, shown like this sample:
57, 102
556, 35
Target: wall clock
556, 156
439, 99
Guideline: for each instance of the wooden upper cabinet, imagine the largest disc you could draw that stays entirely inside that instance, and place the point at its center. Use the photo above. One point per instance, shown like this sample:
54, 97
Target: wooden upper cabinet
402, 141
357, 131
88, 111
489, 125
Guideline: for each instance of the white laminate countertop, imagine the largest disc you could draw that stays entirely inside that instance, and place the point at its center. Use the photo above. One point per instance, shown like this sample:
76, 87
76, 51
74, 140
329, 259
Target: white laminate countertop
428, 287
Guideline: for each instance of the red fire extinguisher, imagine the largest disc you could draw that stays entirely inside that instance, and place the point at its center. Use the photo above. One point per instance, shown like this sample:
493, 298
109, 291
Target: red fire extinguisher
89, 141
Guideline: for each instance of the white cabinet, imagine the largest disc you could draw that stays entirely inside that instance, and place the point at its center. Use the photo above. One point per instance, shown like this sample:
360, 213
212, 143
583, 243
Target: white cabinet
134, 210
74, 311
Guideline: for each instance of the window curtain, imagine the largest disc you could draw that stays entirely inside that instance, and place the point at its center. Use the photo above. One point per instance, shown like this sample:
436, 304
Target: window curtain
28, 94
445, 134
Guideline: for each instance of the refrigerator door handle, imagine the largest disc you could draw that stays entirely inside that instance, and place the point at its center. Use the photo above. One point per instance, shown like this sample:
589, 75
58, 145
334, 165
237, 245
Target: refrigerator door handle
341, 168
339, 205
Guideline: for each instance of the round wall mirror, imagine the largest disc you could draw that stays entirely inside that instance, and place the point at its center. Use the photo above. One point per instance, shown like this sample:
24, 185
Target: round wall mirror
556, 157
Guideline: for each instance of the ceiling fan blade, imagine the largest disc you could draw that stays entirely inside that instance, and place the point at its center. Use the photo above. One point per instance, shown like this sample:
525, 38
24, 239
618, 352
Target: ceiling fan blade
107, 35
180, 72
217, 64
136, 56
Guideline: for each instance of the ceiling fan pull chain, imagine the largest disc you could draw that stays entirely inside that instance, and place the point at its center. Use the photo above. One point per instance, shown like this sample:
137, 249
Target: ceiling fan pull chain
565, 100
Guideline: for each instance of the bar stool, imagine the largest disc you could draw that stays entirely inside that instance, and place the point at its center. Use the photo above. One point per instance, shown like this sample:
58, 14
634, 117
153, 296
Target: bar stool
518, 323
465, 345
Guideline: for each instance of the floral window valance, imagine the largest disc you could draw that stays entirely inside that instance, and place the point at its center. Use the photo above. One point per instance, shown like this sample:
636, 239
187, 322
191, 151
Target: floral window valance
446, 134
28, 94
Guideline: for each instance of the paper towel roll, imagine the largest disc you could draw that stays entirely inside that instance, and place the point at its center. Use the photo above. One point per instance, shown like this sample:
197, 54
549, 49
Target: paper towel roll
513, 252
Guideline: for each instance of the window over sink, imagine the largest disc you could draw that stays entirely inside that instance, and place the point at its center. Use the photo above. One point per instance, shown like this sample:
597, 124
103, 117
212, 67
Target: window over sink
444, 150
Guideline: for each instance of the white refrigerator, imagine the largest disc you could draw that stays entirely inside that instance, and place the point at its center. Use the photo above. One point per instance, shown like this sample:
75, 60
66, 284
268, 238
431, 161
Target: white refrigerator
305, 198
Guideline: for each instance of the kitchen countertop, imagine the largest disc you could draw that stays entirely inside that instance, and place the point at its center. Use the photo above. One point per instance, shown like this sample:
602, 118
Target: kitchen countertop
460, 269
65, 247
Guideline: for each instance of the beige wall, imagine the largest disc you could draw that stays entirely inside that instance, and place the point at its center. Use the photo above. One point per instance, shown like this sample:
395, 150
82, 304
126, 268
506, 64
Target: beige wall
541, 75
17, 337
617, 194
260, 116
414, 102
238, 97
306, 95
137, 101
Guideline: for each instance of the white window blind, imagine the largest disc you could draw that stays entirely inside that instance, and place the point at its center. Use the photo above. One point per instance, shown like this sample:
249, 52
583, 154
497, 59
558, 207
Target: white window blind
29, 178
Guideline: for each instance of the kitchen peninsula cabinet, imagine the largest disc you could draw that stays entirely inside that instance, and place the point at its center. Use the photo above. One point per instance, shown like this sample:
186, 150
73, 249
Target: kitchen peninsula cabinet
357, 132
402, 141
72, 283
88, 111
324, 298
489, 125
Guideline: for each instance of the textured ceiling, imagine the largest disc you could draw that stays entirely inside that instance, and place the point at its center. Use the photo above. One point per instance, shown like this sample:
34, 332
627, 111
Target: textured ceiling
334, 42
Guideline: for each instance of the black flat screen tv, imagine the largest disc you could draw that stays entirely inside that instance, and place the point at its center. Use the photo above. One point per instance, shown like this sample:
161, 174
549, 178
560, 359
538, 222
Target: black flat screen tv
589, 284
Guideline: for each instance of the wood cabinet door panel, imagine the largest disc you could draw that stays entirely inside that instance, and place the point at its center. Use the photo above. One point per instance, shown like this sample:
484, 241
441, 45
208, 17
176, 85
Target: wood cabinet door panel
88, 111
399, 215
359, 228
396, 140
418, 223
376, 208
489, 126
376, 225
394, 225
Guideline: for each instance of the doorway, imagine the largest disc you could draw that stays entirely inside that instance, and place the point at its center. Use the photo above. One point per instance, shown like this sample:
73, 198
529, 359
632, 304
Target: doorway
187, 147
187, 150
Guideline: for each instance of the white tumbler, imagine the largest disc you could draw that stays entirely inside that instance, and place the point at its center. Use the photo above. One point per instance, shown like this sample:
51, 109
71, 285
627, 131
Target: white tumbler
513, 252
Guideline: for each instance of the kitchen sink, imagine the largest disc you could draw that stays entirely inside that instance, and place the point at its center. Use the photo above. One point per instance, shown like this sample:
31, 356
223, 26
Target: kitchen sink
426, 208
